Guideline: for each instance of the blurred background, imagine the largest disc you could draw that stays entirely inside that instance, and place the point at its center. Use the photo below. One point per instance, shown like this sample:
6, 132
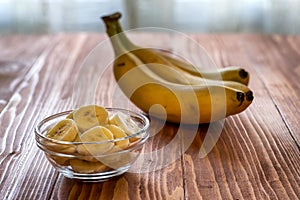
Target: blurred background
52, 16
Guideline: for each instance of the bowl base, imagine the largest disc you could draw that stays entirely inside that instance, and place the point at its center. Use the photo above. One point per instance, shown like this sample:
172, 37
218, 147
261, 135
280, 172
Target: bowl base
95, 177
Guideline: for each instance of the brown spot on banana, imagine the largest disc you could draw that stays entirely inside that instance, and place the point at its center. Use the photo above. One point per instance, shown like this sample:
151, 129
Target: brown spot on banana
121, 64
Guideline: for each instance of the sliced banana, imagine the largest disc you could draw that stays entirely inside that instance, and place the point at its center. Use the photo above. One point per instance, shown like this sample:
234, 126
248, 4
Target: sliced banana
70, 115
65, 130
133, 139
89, 158
124, 122
90, 124
82, 166
64, 161
96, 134
77, 139
118, 133
118, 160
90, 116
61, 148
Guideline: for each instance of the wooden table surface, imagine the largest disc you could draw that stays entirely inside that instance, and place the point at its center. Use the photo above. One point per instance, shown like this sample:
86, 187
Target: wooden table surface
256, 157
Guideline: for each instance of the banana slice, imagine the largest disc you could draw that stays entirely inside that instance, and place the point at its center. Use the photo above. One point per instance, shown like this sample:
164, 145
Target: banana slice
96, 134
61, 148
89, 158
118, 160
90, 116
118, 133
65, 130
70, 115
82, 166
64, 161
77, 139
124, 122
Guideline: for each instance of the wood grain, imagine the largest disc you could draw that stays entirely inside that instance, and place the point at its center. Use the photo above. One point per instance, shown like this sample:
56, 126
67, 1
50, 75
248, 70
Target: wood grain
256, 157
252, 164
17, 55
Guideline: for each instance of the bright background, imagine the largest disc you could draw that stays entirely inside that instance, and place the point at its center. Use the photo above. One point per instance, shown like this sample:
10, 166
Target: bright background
51, 16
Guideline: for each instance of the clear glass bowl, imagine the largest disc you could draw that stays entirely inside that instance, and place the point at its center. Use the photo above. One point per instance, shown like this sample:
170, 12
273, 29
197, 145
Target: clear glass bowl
91, 167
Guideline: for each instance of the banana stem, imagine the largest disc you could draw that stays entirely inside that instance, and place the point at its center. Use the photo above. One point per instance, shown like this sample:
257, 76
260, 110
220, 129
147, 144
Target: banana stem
113, 19
111, 22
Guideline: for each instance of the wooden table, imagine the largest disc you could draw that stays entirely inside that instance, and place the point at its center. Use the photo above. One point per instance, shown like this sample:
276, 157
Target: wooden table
256, 157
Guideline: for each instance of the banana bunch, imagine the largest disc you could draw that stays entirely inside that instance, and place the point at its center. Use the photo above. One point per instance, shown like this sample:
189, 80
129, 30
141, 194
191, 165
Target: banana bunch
97, 140
181, 92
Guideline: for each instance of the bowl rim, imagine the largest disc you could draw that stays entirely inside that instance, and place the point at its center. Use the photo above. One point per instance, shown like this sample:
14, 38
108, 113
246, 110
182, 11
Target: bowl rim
39, 134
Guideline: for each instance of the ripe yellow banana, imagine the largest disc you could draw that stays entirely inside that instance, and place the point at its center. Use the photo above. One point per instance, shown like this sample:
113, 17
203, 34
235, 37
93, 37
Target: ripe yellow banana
148, 55
176, 75
178, 71
181, 102
232, 73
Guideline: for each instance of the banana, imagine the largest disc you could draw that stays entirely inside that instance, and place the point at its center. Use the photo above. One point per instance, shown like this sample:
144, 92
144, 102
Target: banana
94, 135
182, 77
99, 151
86, 167
232, 73
61, 148
146, 55
85, 157
181, 102
61, 160
70, 115
118, 133
120, 159
186, 104
64, 130
149, 55
90, 116
124, 122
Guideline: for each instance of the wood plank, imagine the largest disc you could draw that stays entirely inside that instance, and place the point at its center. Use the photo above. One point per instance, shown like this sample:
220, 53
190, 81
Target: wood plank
269, 121
277, 62
256, 156
24, 167
16, 57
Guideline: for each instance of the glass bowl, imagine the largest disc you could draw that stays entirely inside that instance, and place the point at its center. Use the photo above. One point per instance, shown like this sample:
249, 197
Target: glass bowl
92, 166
